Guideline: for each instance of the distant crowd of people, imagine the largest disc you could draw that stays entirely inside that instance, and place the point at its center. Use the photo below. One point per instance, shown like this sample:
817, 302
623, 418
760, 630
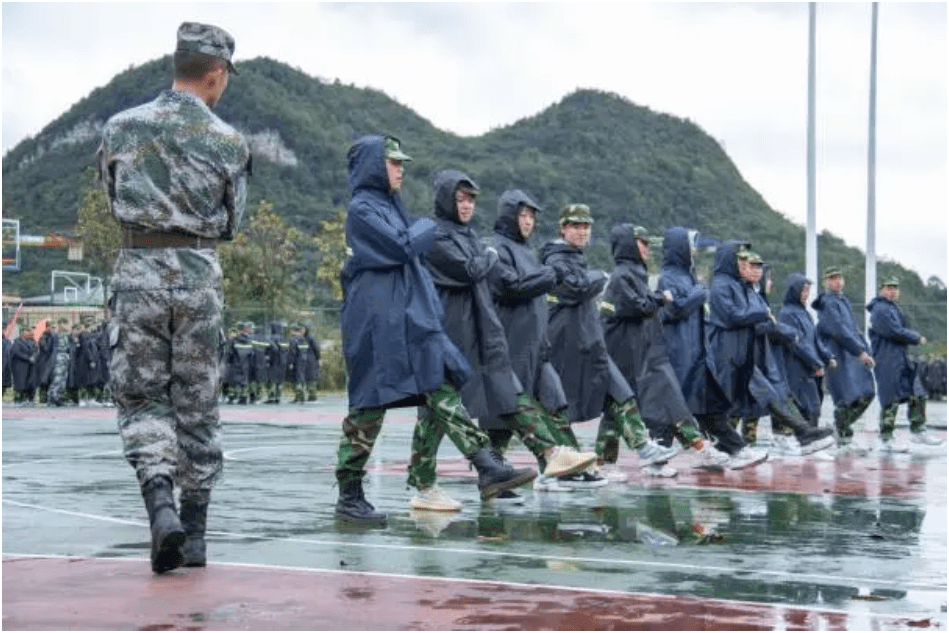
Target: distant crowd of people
68, 365
260, 367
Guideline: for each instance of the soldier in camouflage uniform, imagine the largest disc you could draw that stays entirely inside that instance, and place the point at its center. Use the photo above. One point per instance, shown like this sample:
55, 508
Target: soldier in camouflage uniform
57, 385
176, 178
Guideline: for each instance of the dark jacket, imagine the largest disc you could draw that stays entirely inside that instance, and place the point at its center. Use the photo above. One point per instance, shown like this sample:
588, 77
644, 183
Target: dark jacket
23, 354
392, 321
897, 378
806, 355
684, 326
460, 266
46, 360
743, 364
837, 330
7, 371
313, 361
577, 348
520, 288
633, 333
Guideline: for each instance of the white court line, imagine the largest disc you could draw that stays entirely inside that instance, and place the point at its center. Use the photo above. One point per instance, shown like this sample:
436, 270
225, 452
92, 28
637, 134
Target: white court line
45, 460
471, 581
799, 577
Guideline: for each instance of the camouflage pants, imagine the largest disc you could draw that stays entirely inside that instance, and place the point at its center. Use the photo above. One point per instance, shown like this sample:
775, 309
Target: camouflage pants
57, 386
444, 415
536, 428
846, 416
916, 415
621, 419
164, 379
748, 427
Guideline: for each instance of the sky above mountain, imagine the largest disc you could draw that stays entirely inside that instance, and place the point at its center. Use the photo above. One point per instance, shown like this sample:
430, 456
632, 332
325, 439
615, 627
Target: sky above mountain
738, 70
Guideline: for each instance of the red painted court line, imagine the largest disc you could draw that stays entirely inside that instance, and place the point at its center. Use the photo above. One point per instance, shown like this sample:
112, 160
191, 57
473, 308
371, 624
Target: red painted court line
105, 594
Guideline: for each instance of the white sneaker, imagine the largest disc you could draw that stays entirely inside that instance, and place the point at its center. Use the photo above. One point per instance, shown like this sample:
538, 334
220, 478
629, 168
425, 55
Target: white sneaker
926, 438
653, 453
713, 459
659, 470
583, 481
787, 446
434, 499
566, 461
612, 473
549, 484
746, 457
888, 445
849, 448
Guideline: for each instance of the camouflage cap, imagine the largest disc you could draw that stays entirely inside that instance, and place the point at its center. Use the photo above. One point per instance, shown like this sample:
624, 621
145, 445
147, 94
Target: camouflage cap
750, 256
207, 39
833, 271
640, 233
393, 149
575, 214
890, 280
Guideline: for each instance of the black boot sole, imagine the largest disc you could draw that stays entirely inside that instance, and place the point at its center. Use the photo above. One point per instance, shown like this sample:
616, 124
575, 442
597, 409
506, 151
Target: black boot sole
492, 490
348, 519
167, 555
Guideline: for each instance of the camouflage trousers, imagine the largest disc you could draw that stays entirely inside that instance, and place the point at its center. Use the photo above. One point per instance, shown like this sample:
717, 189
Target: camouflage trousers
536, 428
164, 376
916, 414
620, 419
748, 428
846, 416
443, 415
57, 386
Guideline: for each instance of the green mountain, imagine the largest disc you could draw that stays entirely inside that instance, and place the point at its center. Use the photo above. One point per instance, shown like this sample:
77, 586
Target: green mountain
629, 163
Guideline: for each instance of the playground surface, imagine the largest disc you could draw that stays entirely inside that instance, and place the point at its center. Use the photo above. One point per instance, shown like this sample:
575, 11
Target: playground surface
801, 543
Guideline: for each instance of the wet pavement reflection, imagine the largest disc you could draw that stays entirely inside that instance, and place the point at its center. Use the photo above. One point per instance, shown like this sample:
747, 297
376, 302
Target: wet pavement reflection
823, 543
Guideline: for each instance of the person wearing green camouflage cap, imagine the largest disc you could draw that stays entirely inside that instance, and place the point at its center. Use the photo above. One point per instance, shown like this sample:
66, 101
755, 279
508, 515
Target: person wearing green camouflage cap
175, 176
898, 379
851, 384
593, 384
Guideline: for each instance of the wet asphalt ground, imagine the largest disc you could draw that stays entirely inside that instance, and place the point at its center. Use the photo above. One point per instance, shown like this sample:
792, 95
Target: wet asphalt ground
857, 543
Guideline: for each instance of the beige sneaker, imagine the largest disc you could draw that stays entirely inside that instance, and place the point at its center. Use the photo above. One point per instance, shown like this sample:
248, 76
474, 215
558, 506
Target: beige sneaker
563, 461
434, 499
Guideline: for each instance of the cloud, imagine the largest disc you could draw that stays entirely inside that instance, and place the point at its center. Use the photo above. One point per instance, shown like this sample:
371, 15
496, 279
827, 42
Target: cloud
738, 70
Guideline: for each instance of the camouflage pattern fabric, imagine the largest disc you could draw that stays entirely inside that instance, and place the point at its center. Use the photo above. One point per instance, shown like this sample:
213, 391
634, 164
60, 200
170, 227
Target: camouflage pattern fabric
916, 414
158, 179
846, 416
360, 430
165, 375
171, 165
621, 419
443, 415
57, 386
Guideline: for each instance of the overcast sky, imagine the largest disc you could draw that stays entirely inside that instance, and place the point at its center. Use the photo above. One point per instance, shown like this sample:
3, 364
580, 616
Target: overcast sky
737, 70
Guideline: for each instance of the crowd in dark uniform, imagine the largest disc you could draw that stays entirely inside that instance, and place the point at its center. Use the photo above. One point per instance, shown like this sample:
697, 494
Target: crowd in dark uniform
260, 367
68, 365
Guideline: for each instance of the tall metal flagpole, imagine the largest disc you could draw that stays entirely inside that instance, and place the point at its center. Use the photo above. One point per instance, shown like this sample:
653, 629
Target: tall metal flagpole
871, 263
811, 241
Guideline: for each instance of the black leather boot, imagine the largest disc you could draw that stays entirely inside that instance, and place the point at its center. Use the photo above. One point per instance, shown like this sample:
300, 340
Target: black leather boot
352, 506
167, 533
495, 474
194, 519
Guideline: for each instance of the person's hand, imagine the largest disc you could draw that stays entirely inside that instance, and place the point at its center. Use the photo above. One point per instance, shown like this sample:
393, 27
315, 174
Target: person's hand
832, 363
819, 373
867, 360
922, 340
667, 294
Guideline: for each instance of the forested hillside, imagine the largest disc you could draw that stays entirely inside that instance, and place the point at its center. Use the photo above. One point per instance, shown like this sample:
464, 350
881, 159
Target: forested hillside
627, 162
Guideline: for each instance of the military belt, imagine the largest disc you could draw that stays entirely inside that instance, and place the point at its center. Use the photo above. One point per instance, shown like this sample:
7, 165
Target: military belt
165, 239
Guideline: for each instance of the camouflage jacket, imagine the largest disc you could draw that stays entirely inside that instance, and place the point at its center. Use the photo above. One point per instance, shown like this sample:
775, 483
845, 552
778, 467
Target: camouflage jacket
173, 165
